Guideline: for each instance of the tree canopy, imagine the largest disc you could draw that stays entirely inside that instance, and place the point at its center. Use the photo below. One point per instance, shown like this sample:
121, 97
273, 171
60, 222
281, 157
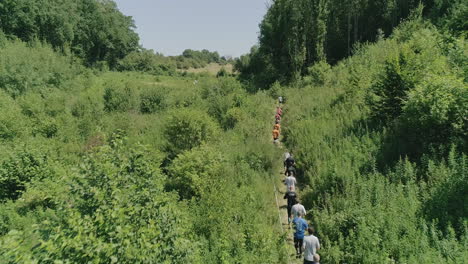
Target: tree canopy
93, 30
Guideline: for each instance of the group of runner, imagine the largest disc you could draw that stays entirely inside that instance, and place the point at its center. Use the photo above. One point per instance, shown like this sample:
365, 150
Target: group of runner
304, 245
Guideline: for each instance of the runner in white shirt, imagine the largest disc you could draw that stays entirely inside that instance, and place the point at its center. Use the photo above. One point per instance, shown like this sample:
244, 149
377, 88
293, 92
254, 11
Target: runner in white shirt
310, 245
297, 209
290, 182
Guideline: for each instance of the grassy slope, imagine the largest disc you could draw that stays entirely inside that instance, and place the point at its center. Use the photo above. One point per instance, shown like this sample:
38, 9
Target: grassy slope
362, 214
66, 123
212, 69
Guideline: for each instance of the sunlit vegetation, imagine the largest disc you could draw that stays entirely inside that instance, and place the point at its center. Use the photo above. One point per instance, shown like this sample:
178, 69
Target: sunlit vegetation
111, 153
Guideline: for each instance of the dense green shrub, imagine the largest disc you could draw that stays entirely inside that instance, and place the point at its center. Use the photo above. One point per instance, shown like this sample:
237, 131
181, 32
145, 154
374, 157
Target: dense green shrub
11, 119
319, 73
119, 96
435, 112
45, 126
390, 91
32, 68
19, 170
153, 99
390, 190
147, 61
186, 129
118, 212
220, 97
446, 203
196, 172
86, 106
222, 73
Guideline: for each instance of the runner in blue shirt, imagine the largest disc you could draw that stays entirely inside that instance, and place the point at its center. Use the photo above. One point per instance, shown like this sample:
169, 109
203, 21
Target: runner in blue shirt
300, 226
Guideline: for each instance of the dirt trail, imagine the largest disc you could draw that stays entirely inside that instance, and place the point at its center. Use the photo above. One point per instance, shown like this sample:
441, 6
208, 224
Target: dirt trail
281, 203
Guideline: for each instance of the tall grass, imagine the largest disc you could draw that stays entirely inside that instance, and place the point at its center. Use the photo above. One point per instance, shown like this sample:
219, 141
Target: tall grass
383, 191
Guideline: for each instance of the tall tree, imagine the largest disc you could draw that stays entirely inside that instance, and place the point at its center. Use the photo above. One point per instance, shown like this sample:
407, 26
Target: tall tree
94, 30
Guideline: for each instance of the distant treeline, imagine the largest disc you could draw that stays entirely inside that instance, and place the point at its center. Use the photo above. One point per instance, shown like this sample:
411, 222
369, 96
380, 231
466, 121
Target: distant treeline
295, 34
156, 63
95, 32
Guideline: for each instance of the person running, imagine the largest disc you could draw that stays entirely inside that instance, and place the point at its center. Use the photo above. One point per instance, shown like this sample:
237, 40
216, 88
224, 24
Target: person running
279, 111
291, 170
291, 196
277, 126
276, 134
277, 118
286, 155
289, 162
290, 182
310, 245
297, 209
300, 226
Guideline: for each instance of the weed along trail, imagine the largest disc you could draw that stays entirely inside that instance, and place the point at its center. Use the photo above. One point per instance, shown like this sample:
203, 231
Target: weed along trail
291, 213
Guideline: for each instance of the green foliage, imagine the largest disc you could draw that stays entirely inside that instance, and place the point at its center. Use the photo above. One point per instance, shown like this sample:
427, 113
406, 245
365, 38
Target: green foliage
297, 34
35, 68
155, 63
318, 74
455, 20
196, 172
435, 112
153, 100
202, 57
17, 171
147, 61
186, 129
119, 96
11, 120
93, 30
132, 168
46, 127
390, 92
222, 73
446, 203
221, 97
391, 190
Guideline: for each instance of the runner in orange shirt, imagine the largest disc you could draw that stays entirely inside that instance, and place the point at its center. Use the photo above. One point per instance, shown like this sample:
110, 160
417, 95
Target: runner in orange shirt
277, 126
276, 134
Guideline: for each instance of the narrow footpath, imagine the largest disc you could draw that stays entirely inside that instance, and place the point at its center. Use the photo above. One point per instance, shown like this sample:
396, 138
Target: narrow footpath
279, 190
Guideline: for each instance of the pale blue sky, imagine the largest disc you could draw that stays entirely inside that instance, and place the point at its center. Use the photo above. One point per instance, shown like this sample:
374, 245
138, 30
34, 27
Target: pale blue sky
171, 26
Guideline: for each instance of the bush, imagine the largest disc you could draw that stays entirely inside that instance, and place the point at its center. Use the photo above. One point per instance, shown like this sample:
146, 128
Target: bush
153, 99
46, 126
390, 91
196, 171
276, 90
222, 73
118, 213
19, 170
436, 110
319, 73
119, 97
24, 68
222, 96
86, 106
233, 116
186, 129
11, 119
448, 200
147, 61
